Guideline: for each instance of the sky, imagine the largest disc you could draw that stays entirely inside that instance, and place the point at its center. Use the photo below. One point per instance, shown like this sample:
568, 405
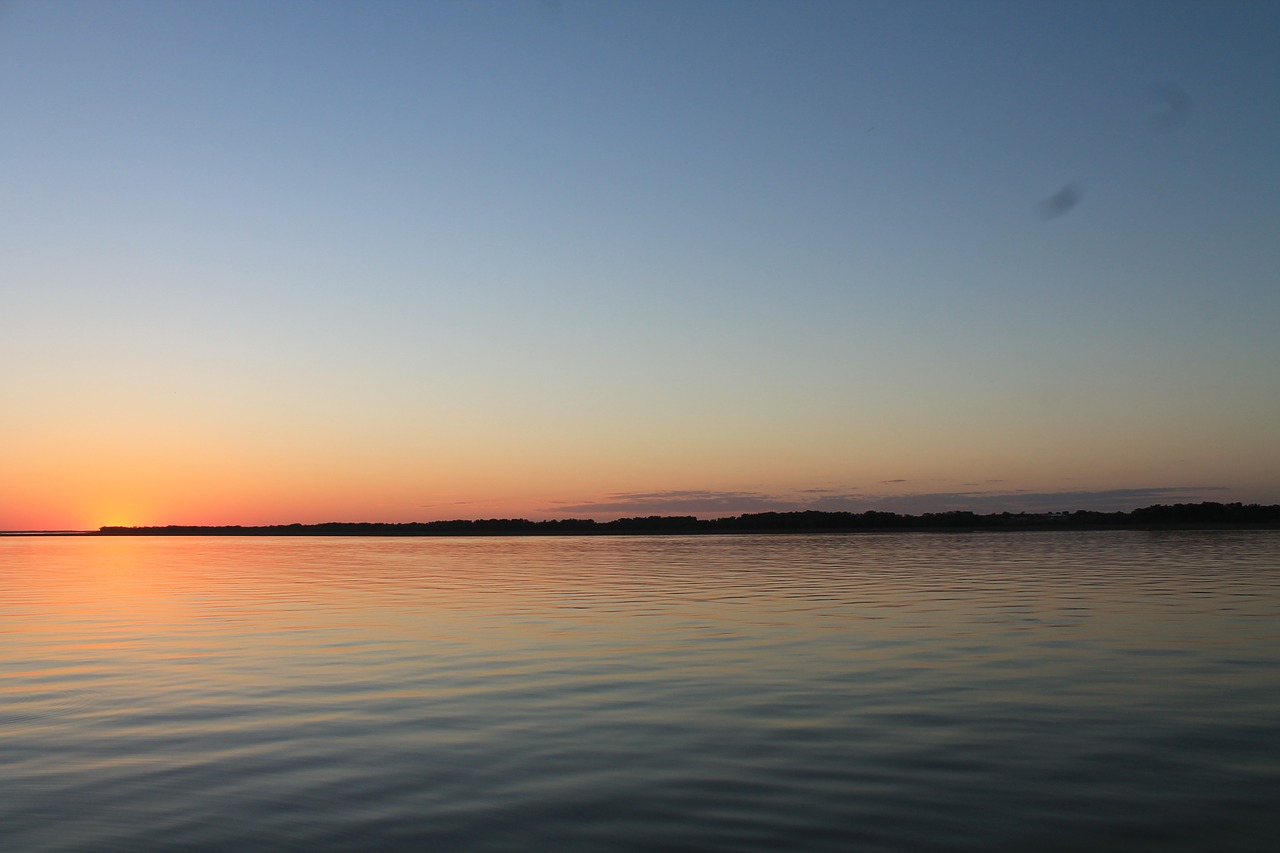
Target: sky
276, 262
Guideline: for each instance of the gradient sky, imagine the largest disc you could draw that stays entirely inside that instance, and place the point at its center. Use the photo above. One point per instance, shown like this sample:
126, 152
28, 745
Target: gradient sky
272, 262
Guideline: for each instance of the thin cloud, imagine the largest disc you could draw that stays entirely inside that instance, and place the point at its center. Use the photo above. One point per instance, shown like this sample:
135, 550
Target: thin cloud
680, 501
1105, 500
715, 503
840, 503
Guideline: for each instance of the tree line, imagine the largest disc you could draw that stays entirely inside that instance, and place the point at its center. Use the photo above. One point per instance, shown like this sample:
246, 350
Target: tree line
1207, 514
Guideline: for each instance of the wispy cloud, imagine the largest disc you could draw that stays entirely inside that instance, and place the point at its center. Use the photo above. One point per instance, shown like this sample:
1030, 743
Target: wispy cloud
1104, 500
679, 501
707, 502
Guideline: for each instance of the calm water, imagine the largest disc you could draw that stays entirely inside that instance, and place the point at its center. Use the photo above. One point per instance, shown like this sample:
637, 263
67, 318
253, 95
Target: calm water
1035, 691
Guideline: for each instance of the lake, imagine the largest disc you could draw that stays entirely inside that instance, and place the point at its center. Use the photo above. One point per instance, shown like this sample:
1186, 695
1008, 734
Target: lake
987, 691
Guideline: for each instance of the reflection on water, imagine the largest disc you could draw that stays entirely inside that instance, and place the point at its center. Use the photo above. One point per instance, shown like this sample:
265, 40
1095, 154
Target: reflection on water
1114, 690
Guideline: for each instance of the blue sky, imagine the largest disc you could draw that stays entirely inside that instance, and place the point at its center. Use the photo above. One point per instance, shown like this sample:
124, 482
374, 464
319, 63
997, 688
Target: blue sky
287, 261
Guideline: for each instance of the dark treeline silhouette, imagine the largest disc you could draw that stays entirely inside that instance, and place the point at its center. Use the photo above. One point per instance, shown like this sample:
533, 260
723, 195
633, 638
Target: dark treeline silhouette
1207, 514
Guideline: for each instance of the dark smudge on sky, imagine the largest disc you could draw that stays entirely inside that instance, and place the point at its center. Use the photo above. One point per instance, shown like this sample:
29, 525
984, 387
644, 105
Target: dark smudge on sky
1060, 202
1170, 107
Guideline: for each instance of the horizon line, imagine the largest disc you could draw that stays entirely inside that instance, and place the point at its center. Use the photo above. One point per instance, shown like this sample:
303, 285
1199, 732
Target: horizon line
653, 519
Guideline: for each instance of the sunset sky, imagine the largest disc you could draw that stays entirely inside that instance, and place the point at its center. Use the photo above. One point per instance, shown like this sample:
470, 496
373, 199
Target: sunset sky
272, 262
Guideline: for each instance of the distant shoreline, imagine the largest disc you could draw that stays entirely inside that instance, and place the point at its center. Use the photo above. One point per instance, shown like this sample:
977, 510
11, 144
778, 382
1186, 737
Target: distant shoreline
775, 531
1203, 516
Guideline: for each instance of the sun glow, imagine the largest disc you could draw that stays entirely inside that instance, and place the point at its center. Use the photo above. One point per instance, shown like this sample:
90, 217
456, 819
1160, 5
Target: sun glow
117, 516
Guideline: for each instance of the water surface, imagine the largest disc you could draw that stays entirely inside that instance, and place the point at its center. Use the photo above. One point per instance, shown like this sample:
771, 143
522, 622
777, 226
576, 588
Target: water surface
1049, 691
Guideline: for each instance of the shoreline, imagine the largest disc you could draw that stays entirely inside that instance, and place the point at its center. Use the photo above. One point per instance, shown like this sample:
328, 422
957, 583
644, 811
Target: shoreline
763, 531
1203, 516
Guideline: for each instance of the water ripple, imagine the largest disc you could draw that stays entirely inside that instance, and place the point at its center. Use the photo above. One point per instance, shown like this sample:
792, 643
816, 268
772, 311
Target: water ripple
876, 692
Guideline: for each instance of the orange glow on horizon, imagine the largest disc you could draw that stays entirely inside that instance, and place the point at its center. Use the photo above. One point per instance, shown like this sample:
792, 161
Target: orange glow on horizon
117, 515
